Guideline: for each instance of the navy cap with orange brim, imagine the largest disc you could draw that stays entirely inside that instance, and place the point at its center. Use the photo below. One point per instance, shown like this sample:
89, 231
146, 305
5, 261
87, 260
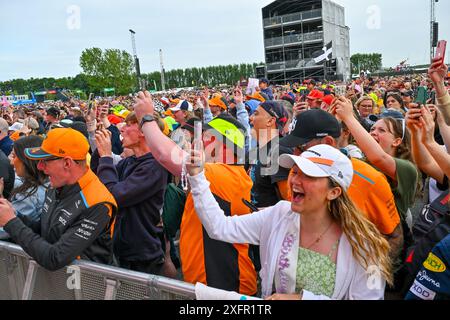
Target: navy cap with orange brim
61, 143
38, 154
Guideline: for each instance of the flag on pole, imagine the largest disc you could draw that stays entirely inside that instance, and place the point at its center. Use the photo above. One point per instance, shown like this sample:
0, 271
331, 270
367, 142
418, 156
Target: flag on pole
323, 55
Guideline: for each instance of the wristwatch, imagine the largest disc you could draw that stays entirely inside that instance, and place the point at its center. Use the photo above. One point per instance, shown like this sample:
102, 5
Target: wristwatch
147, 118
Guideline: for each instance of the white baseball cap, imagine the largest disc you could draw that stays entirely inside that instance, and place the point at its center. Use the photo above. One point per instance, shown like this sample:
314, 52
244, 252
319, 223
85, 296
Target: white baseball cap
183, 105
322, 161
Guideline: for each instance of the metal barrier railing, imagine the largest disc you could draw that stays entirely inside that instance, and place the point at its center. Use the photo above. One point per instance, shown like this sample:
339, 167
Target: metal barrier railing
22, 278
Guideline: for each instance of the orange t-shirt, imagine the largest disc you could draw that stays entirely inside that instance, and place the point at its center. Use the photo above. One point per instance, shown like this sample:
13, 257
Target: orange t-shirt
215, 263
372, 194
15, 136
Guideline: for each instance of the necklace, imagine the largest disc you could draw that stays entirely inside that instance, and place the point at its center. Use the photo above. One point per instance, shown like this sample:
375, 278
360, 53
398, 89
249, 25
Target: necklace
320, 237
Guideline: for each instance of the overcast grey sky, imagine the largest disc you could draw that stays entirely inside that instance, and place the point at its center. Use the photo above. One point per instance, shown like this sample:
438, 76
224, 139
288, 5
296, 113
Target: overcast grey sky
43, 38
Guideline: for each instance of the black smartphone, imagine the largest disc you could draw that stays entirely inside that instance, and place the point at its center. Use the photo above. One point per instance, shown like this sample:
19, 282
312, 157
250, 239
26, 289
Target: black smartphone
90, 102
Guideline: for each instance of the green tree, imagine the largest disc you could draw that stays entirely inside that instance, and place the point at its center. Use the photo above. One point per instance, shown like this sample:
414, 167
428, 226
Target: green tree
366, 62
108, 68
114, 68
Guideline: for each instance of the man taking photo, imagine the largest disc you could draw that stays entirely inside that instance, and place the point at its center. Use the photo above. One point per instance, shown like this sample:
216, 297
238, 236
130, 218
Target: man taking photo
78, 212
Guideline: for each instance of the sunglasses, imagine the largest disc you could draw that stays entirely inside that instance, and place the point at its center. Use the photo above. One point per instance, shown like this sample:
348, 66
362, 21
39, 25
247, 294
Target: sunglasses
45, 161
298, 150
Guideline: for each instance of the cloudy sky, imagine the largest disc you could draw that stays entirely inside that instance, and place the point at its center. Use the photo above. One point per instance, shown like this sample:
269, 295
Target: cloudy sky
44, 38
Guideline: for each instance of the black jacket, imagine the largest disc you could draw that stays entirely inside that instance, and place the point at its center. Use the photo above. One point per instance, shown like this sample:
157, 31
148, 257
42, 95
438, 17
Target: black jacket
75, 223
115, 140
138, 185
7, 173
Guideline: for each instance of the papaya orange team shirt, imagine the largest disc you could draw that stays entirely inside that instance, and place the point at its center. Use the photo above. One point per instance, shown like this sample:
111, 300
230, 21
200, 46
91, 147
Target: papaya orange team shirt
371, 193
215, 263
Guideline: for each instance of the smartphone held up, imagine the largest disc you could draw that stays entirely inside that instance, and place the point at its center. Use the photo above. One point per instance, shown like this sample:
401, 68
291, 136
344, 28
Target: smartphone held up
440, 51
198, 142
422, 96
90, 102
340, 91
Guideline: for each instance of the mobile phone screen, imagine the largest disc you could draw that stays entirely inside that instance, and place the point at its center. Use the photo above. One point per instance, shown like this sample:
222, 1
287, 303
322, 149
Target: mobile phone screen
340, 91
91, 96
440, 51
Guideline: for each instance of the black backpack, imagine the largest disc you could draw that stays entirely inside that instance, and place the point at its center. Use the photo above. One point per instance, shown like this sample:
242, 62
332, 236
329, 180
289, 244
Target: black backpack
432, 226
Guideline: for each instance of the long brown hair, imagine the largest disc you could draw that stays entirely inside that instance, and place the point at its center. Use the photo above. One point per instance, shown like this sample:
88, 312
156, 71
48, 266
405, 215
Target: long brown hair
369, 247
33, 177
399, 130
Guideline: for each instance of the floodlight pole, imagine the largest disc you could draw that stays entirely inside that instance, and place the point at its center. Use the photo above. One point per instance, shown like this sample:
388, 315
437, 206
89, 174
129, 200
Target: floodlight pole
136, 60
432, 28
163, 81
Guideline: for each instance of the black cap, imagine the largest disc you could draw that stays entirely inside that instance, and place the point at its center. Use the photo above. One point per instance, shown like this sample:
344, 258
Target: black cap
408, 93
310, 125
76, 125
264, 80
276, 110
53, 112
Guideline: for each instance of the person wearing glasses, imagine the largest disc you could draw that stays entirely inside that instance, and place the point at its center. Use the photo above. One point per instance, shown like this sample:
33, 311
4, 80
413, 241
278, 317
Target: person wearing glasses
365, 106
387, 147
78, 213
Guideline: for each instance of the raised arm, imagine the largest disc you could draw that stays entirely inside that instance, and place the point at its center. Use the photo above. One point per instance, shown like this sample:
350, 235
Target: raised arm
242, 116
165, 151
207, 114
422, 157
343, 108
437, 73
237, 229
437, 152
444, 129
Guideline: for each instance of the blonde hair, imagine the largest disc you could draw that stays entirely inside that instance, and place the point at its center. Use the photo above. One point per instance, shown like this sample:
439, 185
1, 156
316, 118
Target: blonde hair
188, 115
132, 119
365, 98
369, 247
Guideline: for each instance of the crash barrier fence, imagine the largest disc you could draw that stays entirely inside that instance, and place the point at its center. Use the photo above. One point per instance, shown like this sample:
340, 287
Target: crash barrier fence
21, 278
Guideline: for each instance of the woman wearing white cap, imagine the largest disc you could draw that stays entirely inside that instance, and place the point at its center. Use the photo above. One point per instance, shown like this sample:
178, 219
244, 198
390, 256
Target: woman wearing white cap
318, 246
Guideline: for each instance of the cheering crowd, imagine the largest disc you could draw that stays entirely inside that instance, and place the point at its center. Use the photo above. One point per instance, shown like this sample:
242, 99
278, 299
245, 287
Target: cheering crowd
306, 191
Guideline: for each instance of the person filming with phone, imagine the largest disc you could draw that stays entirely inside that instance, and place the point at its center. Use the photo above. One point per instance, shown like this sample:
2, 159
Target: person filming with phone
437, 73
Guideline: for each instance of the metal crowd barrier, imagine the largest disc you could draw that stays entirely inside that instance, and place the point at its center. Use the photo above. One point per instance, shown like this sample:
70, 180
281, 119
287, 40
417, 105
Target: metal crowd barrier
22, 278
